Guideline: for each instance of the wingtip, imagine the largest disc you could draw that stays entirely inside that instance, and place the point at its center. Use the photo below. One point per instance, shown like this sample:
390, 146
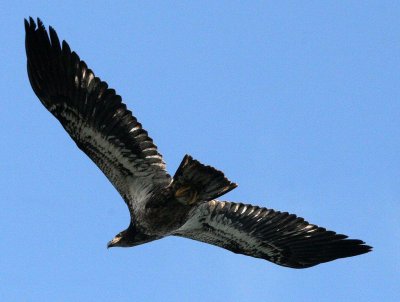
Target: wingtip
26, 24
367, 248
55, 42
40, 23
362, 246
29, 24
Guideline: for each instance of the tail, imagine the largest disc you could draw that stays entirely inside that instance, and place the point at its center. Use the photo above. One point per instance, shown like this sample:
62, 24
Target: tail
195, 182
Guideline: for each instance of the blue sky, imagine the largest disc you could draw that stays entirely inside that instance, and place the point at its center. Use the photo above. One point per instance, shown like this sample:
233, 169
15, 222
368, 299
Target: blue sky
296, 102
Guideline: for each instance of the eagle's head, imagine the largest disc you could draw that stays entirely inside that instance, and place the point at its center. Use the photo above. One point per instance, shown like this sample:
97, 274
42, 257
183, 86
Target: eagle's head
130, 237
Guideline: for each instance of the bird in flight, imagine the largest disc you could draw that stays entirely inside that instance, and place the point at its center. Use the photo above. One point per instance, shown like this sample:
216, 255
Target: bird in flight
184, 205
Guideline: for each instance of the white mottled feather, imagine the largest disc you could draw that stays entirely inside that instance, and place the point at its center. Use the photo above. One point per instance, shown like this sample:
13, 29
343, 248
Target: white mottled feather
93, 115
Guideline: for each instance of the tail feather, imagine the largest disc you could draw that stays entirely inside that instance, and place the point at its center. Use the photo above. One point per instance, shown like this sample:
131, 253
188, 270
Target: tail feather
195, 182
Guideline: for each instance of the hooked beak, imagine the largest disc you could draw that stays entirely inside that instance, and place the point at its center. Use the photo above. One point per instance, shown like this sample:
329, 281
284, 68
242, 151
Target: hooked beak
113, 242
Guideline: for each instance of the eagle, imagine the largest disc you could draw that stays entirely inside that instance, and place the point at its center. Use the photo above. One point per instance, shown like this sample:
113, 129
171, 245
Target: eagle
184, 205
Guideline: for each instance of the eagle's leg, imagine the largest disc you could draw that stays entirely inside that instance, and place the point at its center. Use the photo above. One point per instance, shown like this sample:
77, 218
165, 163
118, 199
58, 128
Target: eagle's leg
186, 195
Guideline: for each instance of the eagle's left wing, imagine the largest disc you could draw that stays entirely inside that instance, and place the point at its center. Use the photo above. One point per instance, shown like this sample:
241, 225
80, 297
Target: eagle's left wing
93, 115
278, 237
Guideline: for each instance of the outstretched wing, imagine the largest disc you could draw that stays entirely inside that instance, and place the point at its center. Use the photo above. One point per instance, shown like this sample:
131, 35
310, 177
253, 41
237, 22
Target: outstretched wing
93, 115
278, 237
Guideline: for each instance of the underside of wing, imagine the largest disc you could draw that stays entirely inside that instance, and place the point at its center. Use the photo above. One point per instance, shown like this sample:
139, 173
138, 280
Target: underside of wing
92, 114
278, 237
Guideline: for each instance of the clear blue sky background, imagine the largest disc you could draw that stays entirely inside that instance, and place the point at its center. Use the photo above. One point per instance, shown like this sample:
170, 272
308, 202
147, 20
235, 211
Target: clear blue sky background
298, 102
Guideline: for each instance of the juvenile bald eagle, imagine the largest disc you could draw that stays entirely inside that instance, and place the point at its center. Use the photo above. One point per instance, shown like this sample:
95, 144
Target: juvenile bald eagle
184, 205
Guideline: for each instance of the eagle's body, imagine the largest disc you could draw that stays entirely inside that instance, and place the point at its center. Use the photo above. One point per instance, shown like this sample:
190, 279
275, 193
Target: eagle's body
185, 205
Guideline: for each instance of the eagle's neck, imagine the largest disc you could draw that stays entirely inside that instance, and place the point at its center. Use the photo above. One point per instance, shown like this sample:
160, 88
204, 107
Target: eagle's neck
135, 236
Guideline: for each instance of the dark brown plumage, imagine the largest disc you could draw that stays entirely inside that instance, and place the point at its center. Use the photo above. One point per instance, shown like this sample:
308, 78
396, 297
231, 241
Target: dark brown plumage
185, 205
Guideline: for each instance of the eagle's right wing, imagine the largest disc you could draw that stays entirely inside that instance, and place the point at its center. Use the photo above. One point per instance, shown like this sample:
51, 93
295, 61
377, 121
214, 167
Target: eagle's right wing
278, 237
93, 115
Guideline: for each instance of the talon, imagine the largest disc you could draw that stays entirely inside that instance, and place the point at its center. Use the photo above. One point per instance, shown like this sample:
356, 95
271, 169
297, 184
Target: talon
186, 195
193, 198
181, 191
